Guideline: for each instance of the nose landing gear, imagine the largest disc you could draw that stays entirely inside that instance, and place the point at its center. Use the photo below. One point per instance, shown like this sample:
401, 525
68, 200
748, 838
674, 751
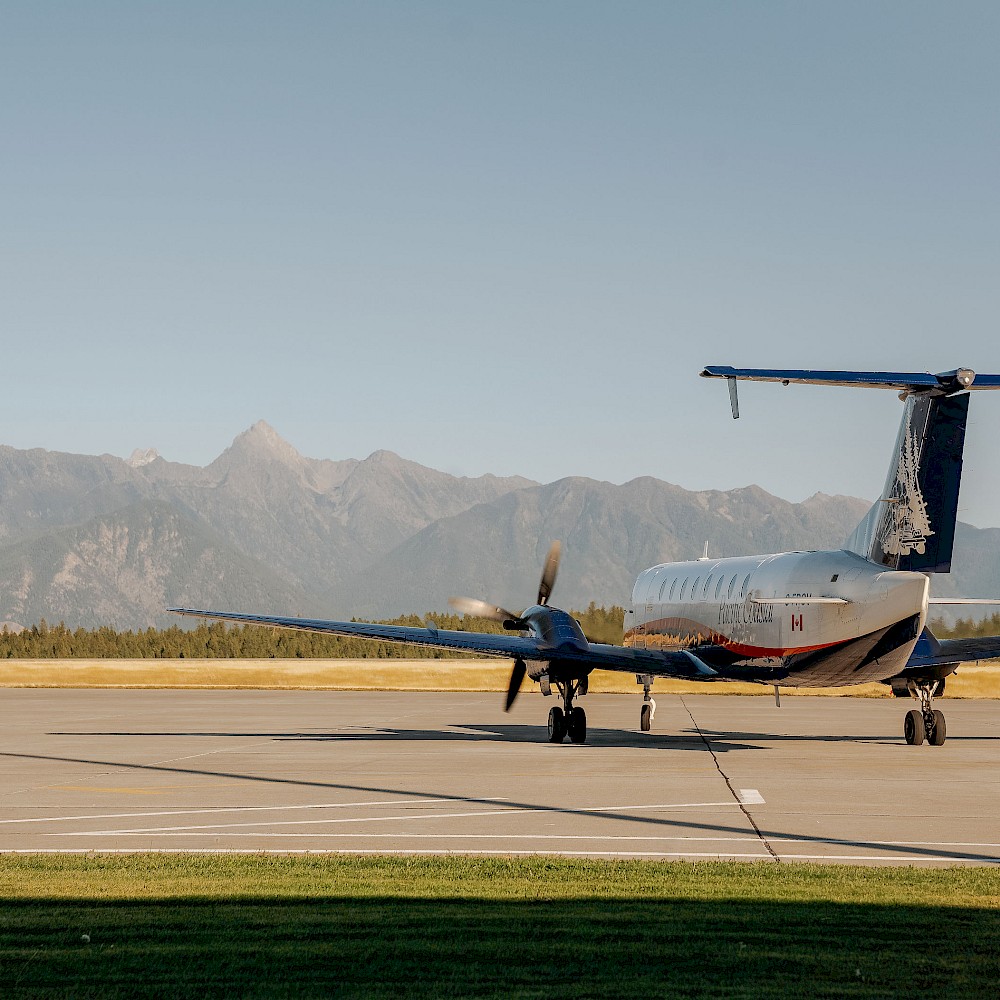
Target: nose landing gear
648, 709
926, 722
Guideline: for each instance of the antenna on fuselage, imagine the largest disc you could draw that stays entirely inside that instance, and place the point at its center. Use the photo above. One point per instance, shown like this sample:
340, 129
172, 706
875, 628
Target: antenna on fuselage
733, 398
704, 556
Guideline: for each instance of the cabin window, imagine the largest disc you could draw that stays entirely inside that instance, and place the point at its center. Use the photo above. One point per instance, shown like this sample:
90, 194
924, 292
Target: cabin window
732, 586
746, 583
684, 587
663, 587
673, 587
718, 586
708, 583
694, 587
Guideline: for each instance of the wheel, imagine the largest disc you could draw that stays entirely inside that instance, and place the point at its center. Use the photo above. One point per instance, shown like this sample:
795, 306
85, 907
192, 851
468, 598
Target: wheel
557, 725
646, 717
936, 736
913, 727
577, 725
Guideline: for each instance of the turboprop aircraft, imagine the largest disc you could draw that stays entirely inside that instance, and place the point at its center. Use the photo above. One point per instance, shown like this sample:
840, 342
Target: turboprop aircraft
794, 619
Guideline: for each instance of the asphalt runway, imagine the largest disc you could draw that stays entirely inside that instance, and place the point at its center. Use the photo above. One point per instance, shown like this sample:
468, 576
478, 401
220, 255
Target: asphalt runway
820, 779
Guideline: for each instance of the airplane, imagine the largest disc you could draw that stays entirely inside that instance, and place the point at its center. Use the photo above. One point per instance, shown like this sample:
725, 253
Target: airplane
791, 619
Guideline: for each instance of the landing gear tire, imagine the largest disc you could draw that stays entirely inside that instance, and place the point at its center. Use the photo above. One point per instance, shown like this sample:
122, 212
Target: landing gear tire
646, 717
913, 727
557, 725
939, 730
926, 722
577, 725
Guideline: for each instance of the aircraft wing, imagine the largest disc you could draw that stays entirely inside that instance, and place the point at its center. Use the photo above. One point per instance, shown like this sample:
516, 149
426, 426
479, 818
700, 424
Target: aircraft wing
660, 663
942, 652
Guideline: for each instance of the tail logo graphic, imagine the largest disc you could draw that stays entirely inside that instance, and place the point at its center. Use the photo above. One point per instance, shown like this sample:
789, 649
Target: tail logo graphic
906, 525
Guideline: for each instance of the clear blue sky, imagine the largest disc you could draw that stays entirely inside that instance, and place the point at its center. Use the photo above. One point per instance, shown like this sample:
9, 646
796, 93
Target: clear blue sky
499, 237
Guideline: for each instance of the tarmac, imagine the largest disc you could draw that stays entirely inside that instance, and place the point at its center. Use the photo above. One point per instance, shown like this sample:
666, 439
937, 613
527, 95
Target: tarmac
818, 779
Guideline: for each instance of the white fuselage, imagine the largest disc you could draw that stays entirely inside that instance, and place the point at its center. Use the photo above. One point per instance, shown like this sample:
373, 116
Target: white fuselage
744, 610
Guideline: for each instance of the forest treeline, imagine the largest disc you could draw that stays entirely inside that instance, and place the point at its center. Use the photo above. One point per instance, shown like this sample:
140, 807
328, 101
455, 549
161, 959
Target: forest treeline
217, 640
966, 628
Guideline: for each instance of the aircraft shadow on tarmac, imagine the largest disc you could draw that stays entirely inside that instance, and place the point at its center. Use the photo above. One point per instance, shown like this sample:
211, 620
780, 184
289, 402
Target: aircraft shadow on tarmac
462, 733
660, 823
869, 739
690, 739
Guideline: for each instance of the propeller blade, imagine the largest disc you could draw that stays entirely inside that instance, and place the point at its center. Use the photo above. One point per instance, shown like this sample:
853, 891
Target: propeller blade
549, 573
480, 609
516, 679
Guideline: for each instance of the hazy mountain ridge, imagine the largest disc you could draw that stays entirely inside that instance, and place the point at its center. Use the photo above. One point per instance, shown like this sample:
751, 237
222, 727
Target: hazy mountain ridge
609, 534
102, 540
125, 567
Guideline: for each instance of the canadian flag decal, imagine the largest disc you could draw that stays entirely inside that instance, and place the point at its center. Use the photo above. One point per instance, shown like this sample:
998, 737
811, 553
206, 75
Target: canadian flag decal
796, 623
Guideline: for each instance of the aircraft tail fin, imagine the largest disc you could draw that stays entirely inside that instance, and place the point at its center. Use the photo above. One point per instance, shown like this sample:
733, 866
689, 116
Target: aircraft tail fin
912, 525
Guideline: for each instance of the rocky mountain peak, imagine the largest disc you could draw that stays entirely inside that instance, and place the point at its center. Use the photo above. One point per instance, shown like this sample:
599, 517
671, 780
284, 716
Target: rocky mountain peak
263, 441
141, 457
385, 458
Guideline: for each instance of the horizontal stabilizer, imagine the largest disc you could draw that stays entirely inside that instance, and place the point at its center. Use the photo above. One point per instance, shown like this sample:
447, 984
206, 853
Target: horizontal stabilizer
944, 383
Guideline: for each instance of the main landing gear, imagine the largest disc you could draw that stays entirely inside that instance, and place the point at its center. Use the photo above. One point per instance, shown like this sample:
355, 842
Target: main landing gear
568, 721
926, 722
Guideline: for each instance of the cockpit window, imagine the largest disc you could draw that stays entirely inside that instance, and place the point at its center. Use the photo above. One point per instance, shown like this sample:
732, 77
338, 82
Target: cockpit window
746, 583
673, 587
663, 586
732, 586
694, 587
718, 587
684, 587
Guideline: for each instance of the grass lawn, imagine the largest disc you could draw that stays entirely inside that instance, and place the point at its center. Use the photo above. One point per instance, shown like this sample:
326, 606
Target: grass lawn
971, 681
314, 926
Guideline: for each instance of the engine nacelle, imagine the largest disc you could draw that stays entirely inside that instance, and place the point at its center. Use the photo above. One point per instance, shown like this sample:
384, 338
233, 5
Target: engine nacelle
555, 628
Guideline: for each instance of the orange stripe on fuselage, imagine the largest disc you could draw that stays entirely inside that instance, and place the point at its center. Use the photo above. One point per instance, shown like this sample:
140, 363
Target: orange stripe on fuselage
703, 634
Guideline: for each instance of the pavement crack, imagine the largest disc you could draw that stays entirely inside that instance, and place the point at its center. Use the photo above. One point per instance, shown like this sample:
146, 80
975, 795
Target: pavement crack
729, 784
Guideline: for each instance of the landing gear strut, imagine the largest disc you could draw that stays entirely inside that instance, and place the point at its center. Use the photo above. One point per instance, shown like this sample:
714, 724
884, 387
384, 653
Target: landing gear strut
568, 721
648, 709
926, 722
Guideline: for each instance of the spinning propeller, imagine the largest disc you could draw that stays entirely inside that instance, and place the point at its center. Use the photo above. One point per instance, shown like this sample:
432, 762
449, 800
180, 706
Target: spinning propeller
515, 623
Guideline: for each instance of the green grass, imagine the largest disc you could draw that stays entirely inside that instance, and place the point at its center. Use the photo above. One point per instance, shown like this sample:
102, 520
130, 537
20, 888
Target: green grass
278, 926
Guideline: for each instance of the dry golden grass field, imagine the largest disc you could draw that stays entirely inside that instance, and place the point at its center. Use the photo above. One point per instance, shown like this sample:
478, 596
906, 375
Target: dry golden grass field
972, 680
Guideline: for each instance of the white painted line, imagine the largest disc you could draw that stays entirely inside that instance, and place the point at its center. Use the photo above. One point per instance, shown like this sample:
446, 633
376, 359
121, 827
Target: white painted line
445, 837
224, 809
882, 843
751, 797
433, 836
891, 859
541, 810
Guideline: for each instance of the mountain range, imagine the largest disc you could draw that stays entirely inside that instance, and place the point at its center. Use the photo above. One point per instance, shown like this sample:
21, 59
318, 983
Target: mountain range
95, 540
